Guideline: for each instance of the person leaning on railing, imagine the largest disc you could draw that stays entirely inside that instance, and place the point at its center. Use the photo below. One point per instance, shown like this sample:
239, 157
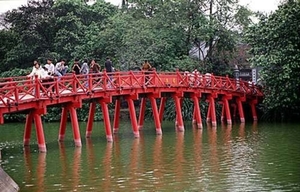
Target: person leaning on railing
95, 69
40, 73
37, 71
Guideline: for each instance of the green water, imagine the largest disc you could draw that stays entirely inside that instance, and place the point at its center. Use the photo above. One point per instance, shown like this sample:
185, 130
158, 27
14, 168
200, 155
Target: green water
262, 157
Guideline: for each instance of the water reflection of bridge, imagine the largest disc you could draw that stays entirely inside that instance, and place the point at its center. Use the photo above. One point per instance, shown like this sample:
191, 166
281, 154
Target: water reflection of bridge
20, 94
142, 166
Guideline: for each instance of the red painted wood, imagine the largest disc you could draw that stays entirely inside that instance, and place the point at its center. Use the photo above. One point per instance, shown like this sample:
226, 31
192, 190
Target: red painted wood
63, 123
180, 126
117, 116
212, 111
142, 113
21, 94
227, 111
155, 115
106, 119
28, 127
241, 110
89, 127
133, 118
39, 132
197, 112
75, 126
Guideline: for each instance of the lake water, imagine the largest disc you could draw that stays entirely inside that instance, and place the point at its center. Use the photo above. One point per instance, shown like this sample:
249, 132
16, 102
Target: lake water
251, 157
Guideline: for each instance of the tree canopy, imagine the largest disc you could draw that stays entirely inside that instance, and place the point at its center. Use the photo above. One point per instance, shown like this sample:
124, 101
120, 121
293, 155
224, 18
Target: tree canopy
185, 34
275, 46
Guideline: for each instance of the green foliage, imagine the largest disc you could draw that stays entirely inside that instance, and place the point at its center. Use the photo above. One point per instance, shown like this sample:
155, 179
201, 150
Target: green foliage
275, 45
163, 32
15, 72
7, 42
54, 29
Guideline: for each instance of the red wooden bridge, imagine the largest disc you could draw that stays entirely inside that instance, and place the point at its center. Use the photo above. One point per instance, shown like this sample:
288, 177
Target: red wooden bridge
21, 94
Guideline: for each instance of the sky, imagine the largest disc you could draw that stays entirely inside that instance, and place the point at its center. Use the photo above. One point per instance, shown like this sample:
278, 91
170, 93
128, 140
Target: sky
255, 5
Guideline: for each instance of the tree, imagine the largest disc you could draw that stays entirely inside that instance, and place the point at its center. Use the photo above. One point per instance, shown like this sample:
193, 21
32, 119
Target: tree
30, 24
275, 46
168, 30
7, 42
54, 29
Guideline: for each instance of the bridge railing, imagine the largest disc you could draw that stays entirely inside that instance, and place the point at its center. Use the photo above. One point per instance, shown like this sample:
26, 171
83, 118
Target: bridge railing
23, 89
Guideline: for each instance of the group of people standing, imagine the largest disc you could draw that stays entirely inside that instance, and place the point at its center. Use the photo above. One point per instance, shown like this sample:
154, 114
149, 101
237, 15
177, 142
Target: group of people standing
50, 70
93, 67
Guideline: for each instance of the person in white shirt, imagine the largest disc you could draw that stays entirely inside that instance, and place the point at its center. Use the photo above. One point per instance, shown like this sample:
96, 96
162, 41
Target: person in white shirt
36, 71
44, 73
50, 67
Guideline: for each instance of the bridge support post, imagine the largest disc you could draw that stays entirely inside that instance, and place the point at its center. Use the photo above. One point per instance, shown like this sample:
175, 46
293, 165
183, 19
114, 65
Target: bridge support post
155, 115
197, 114
180, 126
90, 122
253, 109
142, 113
208, 116
75, 126
162, 108
107, 125
35, 115
240, 108
212, 110
226, 108
39, 132
27, 131
117, 116
63, 124
133, 117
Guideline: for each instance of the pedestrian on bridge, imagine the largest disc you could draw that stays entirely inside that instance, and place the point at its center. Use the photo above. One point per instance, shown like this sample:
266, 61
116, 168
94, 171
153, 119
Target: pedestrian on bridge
146, 67
36, 70
94, 66
76, 67
84, 70
50, 67
108, 65
95, 70
84, 67
61, 68
109, 68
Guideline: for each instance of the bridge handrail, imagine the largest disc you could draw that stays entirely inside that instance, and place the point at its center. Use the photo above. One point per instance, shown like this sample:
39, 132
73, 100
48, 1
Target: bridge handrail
23, 89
